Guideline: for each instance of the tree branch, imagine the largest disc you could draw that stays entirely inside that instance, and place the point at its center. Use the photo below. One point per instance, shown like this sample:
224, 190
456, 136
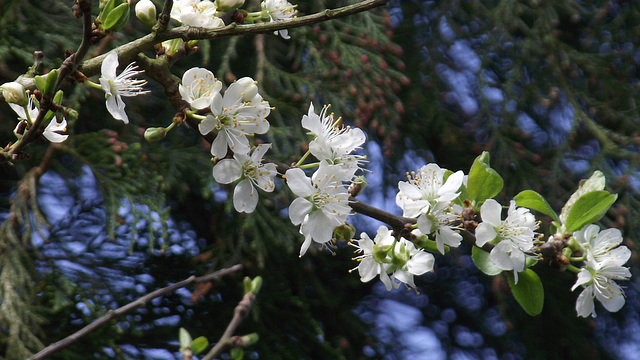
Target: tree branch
141, 302
240, 313
128, 52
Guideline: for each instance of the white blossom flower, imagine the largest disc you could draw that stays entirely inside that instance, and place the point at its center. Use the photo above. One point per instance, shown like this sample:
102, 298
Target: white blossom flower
253, 173
427, 189
196, 13
602, 244
416, 262
198, 87
279, 10
53, 130
117, 86
597, 278
235, 116
334, 144
441, 222
369, 266
515, 235
322, 203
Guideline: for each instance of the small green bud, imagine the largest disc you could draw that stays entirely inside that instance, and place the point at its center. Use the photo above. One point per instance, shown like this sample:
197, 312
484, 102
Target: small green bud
344, 232
154, 134
228, 5
13, 92
72, 114
256, 284
146, 12
246, 284
249, 339
57, 98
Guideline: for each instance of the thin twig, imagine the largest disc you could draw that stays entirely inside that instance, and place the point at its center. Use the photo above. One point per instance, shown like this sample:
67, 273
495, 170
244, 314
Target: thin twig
164, 18
141, 302
240, 313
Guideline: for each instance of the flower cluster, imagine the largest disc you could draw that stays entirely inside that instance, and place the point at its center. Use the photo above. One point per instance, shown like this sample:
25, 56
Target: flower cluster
322, 202
513, 237
603, 264
427, 196
384, 255
238, 114
200, 13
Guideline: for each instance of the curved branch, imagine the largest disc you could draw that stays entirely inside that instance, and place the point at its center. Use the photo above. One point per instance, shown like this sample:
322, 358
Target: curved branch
141, 302
128, 52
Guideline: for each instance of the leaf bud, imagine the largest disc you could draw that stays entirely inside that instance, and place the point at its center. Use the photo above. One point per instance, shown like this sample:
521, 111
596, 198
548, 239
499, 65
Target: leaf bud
154, 134
14, 92
146, 12
117, 18
249, 339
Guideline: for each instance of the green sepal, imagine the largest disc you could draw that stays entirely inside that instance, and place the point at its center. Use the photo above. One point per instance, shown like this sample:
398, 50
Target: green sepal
484, 182
534, 201
199, 345
185, 339
117, 18
483, 262
588, 209
529, 292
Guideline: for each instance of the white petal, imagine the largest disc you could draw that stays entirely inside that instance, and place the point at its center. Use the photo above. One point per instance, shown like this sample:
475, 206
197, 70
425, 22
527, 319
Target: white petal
299, 209
227, 171
321, 226
219, 146
420, 263
501, 255
109, 66
50, 131
484, 233
614, 302
584, 277
453, 183
305, 245
368, 269
425, 225
207, 125
245, 197
115, 106
409, 190
584, 303
298, 182
446, 236
491, 212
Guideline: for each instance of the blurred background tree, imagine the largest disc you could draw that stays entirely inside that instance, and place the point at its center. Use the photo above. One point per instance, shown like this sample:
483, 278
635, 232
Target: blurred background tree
549, 88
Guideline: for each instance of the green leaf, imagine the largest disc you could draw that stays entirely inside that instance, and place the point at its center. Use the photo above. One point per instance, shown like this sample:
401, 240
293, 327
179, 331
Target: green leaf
484, 182
199, 345
483, 262
117, 18
237, 353
588, 209
185, 339
532, 200
528, 291
594, 183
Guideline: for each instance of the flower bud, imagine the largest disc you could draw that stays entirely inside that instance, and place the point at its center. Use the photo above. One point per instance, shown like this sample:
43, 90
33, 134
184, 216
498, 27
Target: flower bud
249, 339
248, 87
155, 134
146, 12
13, 92
228, 5
344, 232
